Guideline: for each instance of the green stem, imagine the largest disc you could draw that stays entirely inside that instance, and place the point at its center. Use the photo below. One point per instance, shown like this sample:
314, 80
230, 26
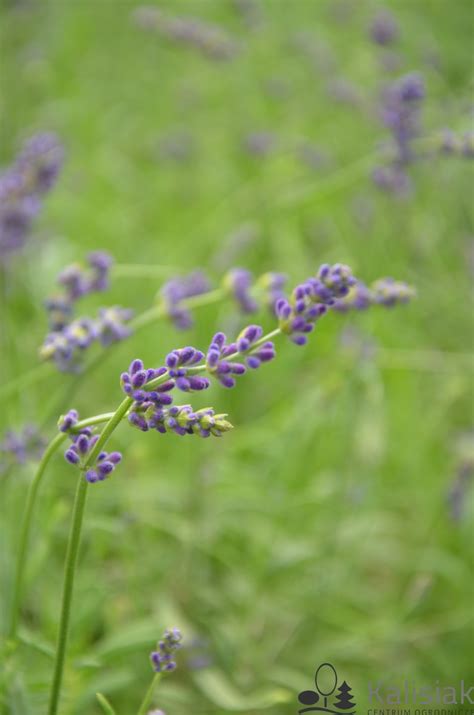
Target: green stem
72, 551
149, 695
69, 573
28, 516
34, 375
104, 704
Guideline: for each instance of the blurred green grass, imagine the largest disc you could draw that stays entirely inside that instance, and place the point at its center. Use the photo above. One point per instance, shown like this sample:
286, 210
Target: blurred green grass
318, 529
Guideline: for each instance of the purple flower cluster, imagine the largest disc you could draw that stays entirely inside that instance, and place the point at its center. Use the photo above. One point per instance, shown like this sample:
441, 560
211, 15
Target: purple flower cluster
83, 441
68, 338
246, 346
384, 28
178, 363
162, 659
22, 187
66, 346
311, 299
180, 419
19, 447
272, 286
385, 291
204, 37
175, 291
457, 145
401, 114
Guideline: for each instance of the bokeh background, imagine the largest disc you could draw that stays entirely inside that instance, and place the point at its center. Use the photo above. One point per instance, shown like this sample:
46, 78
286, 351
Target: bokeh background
334, 523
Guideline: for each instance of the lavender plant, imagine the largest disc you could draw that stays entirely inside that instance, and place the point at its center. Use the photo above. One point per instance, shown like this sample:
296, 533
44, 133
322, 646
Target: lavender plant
148, 406
22, 189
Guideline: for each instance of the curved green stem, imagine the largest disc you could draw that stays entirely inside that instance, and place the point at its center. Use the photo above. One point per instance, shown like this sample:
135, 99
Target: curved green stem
149, 695
28, 516
137, 270
69, 574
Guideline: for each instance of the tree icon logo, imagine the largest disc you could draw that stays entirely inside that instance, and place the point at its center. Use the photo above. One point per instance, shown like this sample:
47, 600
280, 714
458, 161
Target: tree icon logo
325, 698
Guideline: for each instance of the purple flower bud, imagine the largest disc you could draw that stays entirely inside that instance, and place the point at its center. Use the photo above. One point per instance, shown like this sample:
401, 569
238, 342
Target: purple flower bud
72, 456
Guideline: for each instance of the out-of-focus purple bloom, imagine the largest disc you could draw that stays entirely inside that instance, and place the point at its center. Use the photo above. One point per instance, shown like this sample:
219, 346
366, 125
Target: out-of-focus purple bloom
238, 282
259, 144
343, 91
272, 286
392, 179
401, 112
162, 660
384, 29
21, 446
208, 39
111, 326
22, 187
456, 495
79, 282
359, 298
456, 144
385, 291
175, 291
65, 347
389, 292
68, 421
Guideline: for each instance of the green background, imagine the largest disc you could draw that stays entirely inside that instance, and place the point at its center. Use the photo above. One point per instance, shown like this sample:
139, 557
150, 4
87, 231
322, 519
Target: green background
318, 530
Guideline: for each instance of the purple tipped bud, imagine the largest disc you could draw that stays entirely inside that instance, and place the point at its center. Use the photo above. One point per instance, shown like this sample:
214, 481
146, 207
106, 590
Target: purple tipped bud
105, 468
92, 476
72, 456
115, 457
135, 366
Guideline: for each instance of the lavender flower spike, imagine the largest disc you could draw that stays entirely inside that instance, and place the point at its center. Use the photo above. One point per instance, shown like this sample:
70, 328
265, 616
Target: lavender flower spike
162, 659
175, 291
238, 282
82, 444
178, 362
217, 364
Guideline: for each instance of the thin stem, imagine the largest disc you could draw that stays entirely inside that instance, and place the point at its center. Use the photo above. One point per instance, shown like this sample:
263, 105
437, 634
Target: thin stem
149, 695
28, 515
69, 573
72, 551
104, 704
29, 378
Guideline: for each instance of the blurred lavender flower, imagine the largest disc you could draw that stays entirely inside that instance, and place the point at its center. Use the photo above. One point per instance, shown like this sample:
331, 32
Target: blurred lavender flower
459, 145
79, 282
111, 326
259, 144
392, 179
83, 441
209, 39
162, 659
178, 146
272, 286
178, 289
22, 187
389, 292
401, 112
343, 91
385, 291
238, 282
456, 495
66, 344
21, 446
384, 28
